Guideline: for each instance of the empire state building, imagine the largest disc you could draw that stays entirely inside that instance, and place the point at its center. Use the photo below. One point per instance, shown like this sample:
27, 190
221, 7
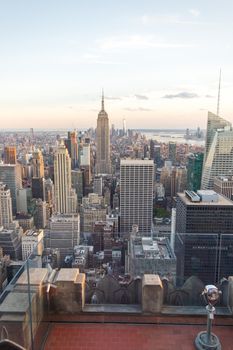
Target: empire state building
103, 163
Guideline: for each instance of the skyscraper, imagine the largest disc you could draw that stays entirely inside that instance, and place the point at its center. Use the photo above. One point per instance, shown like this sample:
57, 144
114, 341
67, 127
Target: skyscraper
152, 150
136, 194
204, 240
218, 159
38, 164
5, 206
10, 174
124, 127
72, 146
38, 175
103, 164
224, 185
194, 171
172, 152
65, 196
63, 233
85, 164
10, 155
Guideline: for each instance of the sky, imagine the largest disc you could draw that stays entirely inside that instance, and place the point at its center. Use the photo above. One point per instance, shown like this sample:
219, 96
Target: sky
157, 61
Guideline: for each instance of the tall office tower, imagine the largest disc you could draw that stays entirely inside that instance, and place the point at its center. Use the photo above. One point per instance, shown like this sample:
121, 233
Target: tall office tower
38, 187
40, 214
10, 174
194, 171
224, 185
85, 154
157, 155
98, 185
63, 233
77, 179
102, 239
103, 163
172, 152
49, 191
152, 150
165, 179
37, 164
10, 155
218, 158
124, 128
204, 237
72, 146
146, 153
85, 164
181, 179
174, 179
5, 206
136, 195
22, 200
65, 196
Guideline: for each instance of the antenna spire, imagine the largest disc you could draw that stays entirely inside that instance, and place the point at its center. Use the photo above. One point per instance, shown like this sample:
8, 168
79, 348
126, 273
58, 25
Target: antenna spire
102, 99
219, 89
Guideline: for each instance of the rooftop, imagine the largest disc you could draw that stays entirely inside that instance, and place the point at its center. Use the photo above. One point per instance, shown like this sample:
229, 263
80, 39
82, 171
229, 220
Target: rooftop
33, 233
129, 336
148, 248
222, 201
136, 162
225, 178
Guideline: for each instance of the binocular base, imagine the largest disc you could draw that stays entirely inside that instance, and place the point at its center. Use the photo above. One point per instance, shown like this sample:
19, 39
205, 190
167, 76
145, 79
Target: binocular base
202, 343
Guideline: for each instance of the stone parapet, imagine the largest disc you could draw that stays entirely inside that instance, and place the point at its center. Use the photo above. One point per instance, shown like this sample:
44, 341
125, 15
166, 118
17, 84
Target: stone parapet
152, 294
69, 295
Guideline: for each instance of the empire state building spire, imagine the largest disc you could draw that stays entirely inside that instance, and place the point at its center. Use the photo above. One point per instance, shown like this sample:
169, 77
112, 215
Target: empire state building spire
102, 100
103, 163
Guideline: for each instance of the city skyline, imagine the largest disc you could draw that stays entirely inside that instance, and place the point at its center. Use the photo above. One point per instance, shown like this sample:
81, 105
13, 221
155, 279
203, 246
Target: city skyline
158, 63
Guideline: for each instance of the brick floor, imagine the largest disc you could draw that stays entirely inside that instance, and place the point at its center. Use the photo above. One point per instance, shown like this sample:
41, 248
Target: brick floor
130, 337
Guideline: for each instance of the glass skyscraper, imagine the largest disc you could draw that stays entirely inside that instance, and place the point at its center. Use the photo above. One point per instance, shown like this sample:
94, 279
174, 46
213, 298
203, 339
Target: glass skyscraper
218, 159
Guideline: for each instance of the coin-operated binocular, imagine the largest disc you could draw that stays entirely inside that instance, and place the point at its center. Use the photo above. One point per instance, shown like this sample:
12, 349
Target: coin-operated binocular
208, 340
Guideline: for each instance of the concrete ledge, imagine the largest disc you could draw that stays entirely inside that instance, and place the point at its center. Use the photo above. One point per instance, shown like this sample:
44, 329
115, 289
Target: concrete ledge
113, 308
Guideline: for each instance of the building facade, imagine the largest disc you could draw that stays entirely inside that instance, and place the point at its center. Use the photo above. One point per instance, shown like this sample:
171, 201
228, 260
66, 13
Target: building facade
65, 195
10, 155
194, 171
32, 242
136, 195
10, 174
224, 185
38, 164
204, 236
6, 217
72, 147
218, 159
63, 233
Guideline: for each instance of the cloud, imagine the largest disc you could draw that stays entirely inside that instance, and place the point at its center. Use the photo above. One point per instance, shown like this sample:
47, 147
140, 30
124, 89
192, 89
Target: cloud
89, 58
137, 42
112, 98
168, 19
209, 96
194, 12
141, 97
183, 94
140, 109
